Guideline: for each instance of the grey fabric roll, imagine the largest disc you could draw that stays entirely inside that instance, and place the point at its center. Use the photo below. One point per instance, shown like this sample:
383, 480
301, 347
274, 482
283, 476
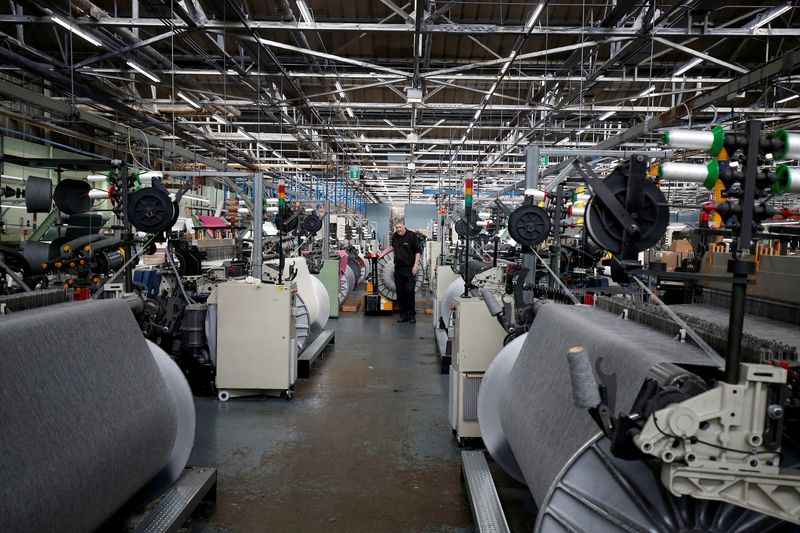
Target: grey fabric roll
539, 418
493, 303
86, 417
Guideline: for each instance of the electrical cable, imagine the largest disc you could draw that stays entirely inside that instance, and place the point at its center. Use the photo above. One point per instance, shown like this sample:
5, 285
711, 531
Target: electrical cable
695, 440
178, 279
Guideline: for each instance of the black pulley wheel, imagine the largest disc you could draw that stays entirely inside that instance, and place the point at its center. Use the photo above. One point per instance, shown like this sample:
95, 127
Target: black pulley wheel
463, 227
529, 225
652, 218
312, 224
150, 210
288, 222
72, 197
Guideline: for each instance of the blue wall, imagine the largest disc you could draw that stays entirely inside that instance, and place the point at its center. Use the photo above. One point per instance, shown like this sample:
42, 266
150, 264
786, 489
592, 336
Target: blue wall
418, 216
380, 215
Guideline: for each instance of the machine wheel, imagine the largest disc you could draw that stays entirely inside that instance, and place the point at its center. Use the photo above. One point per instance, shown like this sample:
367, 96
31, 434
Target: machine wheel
223, 396
150, 210
652, 218
529, 225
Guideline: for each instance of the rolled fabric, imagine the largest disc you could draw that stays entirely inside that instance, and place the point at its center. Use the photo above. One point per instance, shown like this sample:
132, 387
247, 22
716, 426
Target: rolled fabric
543, 426
38, 195
87, 417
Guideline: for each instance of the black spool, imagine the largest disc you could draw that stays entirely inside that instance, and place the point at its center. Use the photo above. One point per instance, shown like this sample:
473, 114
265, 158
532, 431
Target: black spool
529, 225
72, 197
150, 210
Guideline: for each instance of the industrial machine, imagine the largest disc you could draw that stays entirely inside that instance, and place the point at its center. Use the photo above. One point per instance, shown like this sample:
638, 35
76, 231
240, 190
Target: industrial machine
476, 340
256, 339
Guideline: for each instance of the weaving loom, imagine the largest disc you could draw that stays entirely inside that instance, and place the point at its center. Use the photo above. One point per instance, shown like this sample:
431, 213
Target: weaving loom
87, 428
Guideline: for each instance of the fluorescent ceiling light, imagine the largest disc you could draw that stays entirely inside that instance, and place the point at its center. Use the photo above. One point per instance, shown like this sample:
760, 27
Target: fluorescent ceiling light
262, 146
144, 72
505, 68
580, 132
188, 100
606, 115
768, 16
220, 119
14, 178
788, 99
76, 30
304, 11
6, 206
340, 89
350, 112
688, 66
644, 93
534, 16
477, 115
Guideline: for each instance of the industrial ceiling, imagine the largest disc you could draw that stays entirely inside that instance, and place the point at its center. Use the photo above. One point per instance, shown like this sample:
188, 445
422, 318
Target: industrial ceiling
414, 94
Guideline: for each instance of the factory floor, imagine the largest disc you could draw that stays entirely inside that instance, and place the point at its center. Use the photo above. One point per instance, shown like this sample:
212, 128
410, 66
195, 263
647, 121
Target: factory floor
363, 446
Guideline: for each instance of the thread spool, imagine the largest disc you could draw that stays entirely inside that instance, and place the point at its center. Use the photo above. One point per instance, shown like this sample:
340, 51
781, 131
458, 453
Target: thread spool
585, 392
711, 141
37, 253
38, 195
577, 211
72, 197
705, 174
788, 180
791, 145
538, 196
98, 194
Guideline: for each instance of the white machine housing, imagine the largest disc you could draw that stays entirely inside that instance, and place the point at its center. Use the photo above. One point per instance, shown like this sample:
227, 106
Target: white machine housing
477, 338
256, 345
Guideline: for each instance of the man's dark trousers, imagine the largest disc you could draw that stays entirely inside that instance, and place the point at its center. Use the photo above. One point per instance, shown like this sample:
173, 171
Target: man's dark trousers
405, 282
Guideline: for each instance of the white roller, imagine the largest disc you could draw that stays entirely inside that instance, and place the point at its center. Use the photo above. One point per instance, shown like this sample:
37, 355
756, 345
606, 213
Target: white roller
454, 290
788, 180
489, 394
351, 278
312, 291
791, 145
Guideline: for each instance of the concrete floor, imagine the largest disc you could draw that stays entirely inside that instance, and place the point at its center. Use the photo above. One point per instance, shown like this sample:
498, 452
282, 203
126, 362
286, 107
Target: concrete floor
363, 446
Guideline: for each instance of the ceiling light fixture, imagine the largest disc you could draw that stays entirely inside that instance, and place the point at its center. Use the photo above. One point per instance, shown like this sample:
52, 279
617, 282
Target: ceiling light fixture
606, 115
304, 11
188, 100
534, 16
76, 30
340, 89
768, 16
350, 112
220, 119
645, 92
688, 66
788, 99
144, 72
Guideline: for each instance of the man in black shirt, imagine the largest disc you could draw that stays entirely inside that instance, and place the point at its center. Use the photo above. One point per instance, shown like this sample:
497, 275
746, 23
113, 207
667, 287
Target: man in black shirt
407, 251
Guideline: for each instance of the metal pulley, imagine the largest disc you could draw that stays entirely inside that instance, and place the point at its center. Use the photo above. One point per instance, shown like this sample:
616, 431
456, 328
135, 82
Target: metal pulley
150, 210
646, 222
463, 226
286, 222
529, 225
311, 224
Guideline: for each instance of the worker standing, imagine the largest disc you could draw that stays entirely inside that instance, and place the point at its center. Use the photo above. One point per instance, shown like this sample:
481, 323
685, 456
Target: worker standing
407, 252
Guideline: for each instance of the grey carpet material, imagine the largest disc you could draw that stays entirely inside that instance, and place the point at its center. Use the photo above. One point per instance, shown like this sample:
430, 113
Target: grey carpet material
86, 417
540, 421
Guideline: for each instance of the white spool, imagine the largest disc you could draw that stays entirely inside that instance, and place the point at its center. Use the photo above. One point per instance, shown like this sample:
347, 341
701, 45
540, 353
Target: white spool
694, 173
788, 180
97, 194
791, 148
538, 195
689, 139
577, 211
